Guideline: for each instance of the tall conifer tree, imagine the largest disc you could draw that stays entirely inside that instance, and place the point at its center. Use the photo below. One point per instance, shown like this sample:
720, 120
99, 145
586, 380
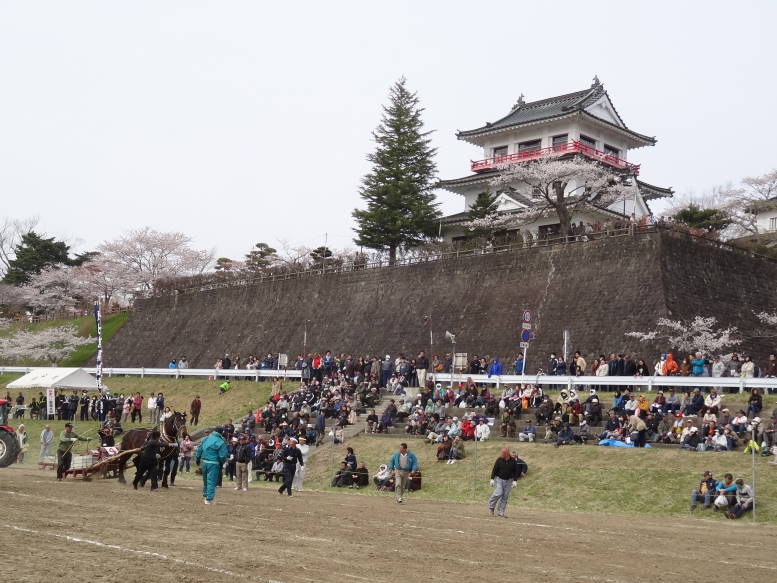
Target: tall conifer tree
401, 209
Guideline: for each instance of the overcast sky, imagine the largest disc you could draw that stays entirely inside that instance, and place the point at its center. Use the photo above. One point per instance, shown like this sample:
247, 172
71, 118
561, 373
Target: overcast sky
238, 122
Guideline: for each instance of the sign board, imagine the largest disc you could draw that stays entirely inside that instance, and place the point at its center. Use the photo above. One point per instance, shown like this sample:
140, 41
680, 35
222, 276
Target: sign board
524, 345
526, 326
283, 360
50, 410
526, 316
460, 360
525, 335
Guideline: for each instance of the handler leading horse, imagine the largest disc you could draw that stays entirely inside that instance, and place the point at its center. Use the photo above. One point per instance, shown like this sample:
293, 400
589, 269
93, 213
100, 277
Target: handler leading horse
173, 428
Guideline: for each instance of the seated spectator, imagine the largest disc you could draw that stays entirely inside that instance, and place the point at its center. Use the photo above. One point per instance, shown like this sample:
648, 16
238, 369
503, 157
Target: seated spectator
372, 422
754, 403
725, 493
457, 450
444, 449
565, 436
482, 431
276, 471
712, 401
694, 404
338, 435
350, 459
672, 402
383, 479
467, 429
725, 418
360, 477
552, 430
545, 411
692, 440
584, 433
611, 427
744, 500
507, 424
593, 413
705, 492
638, 430
455, 429
414, 481
342, 477
528, 433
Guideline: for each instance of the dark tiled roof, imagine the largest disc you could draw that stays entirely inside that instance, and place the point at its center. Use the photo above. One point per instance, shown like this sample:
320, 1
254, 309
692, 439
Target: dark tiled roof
650, 192
552, 107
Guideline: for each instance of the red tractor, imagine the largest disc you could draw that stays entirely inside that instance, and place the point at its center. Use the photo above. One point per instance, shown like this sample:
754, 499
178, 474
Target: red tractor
9, 445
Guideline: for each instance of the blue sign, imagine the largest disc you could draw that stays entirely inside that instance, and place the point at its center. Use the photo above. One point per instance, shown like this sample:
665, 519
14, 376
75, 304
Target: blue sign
525, 335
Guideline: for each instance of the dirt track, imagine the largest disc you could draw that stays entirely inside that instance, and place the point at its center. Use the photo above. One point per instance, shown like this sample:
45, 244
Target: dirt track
321, 536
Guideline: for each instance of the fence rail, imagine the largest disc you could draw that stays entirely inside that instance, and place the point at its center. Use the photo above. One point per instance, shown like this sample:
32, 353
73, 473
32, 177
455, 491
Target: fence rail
649, 383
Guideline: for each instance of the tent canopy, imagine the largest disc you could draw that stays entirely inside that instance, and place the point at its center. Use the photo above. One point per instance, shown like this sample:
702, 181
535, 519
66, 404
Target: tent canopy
56, 378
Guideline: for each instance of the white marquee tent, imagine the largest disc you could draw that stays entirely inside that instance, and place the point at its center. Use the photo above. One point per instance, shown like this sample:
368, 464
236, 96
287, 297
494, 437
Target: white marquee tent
56, 378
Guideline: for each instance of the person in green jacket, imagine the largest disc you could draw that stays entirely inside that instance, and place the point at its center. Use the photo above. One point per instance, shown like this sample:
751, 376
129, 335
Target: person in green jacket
67, 439
211, 455
224, 387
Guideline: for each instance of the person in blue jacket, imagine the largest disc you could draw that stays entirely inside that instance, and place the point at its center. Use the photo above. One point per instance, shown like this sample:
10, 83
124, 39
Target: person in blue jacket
495, 369
402, 463
211, 455
518, 364
697, 365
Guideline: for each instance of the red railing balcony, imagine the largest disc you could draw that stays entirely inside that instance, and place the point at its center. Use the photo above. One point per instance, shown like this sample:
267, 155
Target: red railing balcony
574, 147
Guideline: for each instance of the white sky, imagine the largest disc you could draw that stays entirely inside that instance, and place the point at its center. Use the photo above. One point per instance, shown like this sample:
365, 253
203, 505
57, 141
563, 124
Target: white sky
239, 122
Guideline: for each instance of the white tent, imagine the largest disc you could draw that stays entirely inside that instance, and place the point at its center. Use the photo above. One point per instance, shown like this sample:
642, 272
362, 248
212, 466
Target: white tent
56, 378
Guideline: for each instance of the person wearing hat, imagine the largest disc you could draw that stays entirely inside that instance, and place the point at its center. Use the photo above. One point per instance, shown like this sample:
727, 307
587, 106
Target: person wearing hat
67, 440
299, 474
243, 455
744, 500
705, 492
211, 455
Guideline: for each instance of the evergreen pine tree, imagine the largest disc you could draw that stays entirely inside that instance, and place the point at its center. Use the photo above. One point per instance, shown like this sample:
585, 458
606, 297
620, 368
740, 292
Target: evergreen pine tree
401, 209
484, 206
35, 253
261, 257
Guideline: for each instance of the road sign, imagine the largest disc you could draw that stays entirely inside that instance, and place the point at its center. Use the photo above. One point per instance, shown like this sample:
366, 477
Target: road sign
526, 326
526, 316
525, 335
524, 345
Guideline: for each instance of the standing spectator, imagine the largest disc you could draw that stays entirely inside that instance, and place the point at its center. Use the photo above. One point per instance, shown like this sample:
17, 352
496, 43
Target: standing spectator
186, 450
242, 459
291, 456
84, 411
518, 364
402, 463
195, 409
770, 366
754, 403
697, 365
46, 438
504, 477
21, 438
421, 367
212, 453
160, 407
748, 368
137, 408
718, 367
151, 408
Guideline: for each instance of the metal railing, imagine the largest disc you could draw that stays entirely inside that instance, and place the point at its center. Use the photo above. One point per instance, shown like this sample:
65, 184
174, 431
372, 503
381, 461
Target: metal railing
649, 383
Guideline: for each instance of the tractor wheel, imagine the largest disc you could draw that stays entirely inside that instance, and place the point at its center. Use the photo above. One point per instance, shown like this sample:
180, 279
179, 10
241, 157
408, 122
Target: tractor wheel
9, 448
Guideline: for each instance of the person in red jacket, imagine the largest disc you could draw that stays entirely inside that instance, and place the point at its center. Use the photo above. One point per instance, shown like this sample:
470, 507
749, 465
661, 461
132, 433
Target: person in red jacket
670, 366
467, 430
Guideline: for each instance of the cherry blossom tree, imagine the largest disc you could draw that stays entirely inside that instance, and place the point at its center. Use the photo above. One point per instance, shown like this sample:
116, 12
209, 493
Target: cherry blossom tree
699, 334
739, 201
54, 289
561, 186
146, 255
50, 344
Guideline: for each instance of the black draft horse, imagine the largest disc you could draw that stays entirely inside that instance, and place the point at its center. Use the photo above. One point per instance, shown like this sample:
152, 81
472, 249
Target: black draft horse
173, 428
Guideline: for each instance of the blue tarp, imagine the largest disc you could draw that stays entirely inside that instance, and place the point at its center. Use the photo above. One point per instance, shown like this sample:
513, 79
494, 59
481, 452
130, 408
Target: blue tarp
616, 443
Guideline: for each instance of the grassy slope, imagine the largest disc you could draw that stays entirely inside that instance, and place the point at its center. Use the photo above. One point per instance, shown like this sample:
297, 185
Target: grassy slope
86, 327
580, 478
216, 408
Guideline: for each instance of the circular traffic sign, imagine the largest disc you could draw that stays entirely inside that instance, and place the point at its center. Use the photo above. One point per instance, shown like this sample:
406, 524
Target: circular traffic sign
526, 316
525, 335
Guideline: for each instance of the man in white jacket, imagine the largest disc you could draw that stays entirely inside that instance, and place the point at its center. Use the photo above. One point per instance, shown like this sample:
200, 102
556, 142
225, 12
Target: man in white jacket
299, 475
482, 430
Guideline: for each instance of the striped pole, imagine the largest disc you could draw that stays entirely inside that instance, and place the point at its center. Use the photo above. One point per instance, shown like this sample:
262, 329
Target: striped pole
99, 359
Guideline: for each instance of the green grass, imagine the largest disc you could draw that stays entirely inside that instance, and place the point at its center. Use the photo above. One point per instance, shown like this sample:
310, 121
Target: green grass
655, 482
85, 326
179, 393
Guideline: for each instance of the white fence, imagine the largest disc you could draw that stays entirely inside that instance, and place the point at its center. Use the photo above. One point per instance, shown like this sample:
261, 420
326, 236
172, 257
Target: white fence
650, 383
253, 375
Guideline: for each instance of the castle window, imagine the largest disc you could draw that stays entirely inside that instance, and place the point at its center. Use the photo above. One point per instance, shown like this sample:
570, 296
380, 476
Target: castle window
500, 151
529, 146
560, 142
612, 151
773, 224
588, 142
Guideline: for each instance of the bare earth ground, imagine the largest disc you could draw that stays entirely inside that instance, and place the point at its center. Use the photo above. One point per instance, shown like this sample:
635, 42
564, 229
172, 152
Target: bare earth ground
103, 531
